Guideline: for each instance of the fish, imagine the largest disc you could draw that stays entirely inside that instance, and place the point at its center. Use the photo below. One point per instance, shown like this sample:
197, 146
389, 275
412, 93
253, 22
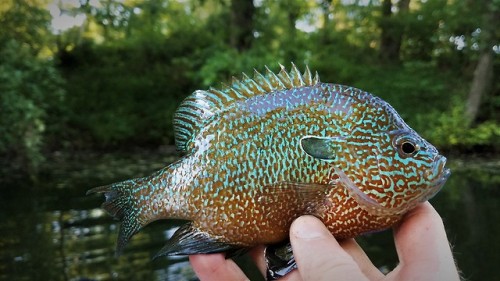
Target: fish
264, 150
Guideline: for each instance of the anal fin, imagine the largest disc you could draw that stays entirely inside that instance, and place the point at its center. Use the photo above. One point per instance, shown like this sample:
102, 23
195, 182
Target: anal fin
188, 240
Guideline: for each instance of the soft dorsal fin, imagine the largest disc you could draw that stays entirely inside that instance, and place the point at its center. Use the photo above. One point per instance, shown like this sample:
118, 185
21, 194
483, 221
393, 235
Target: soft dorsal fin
199, 107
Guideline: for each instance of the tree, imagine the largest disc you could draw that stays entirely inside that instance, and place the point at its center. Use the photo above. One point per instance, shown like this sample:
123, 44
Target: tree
483, 73
392, 29
29, 85
27, 22
242, 16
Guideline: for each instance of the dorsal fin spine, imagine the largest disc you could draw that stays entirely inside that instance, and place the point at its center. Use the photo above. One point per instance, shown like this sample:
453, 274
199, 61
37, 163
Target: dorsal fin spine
262, 81
315, 79
296, 76
275, 81
233, 93
241, 87
195, 111
307, 77
252, 86
235, 88
285, 78
229, 94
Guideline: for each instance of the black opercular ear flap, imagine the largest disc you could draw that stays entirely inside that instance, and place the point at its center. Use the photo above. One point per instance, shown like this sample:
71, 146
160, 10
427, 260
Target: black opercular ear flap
319, 147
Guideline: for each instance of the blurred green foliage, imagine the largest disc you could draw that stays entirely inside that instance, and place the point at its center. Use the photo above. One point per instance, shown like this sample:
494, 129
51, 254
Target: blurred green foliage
31, 87
125, 70
31, 90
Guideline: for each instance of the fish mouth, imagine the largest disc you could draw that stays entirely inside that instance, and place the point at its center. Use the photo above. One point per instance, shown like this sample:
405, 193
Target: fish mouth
441, 175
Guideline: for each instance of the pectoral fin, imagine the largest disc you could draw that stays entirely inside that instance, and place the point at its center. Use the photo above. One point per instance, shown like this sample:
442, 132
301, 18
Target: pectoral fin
323, 148
296, 197
188, 240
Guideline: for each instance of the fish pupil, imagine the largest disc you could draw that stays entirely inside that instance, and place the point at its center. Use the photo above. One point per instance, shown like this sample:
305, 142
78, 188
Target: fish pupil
408, 147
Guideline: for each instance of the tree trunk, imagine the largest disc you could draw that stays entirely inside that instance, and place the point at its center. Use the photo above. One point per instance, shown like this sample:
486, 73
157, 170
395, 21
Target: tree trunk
325, 8
483, 73
392, 30
242, 14
386, 40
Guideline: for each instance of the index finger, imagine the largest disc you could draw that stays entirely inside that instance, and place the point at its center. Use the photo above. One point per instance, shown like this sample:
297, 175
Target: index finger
216, 267
423, 247
318, 255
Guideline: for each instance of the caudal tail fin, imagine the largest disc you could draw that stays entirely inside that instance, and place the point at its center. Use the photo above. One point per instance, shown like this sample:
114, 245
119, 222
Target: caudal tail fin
122, 205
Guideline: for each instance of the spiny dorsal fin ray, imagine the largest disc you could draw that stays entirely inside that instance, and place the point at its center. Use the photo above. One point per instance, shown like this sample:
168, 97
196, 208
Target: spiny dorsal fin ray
296, 76
316, 78
307, 77
261, 80
251, 85
199, 107
276, 83
285, 78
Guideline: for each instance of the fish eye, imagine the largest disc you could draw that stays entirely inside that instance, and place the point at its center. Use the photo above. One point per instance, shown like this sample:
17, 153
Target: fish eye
409, 148
406, 144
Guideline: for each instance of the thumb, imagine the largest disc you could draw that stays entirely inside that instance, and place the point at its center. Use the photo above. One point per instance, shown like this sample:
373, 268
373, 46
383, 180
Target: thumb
318, 255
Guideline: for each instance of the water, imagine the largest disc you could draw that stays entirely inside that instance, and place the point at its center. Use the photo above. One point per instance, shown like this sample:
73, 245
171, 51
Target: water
52, 231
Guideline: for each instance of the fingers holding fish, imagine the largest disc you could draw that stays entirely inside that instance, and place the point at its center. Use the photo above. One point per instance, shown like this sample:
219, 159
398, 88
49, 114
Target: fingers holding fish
360, 257
257, 255
423, 247
318, 255
215, 267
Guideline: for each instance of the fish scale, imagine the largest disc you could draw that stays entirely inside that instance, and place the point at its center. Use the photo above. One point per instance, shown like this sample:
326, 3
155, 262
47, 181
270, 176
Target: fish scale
265, 150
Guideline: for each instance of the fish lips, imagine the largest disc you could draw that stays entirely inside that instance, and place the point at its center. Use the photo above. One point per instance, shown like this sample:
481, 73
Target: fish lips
441, 176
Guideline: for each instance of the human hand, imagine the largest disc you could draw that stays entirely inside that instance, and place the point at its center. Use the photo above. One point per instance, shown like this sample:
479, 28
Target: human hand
421, 243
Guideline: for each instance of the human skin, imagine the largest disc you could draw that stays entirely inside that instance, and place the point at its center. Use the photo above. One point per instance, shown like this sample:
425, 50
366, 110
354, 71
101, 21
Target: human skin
420, 238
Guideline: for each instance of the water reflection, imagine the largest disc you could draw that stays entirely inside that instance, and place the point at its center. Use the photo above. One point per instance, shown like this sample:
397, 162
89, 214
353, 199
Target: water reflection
52, 231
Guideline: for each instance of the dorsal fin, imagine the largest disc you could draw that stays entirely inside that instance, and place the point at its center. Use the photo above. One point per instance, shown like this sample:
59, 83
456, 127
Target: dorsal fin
199, 107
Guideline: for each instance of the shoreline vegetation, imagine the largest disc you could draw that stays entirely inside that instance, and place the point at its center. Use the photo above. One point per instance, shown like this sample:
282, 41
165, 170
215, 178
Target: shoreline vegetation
113, 83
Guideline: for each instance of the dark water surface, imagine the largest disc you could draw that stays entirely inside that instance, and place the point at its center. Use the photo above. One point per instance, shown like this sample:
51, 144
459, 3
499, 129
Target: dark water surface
52, 231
